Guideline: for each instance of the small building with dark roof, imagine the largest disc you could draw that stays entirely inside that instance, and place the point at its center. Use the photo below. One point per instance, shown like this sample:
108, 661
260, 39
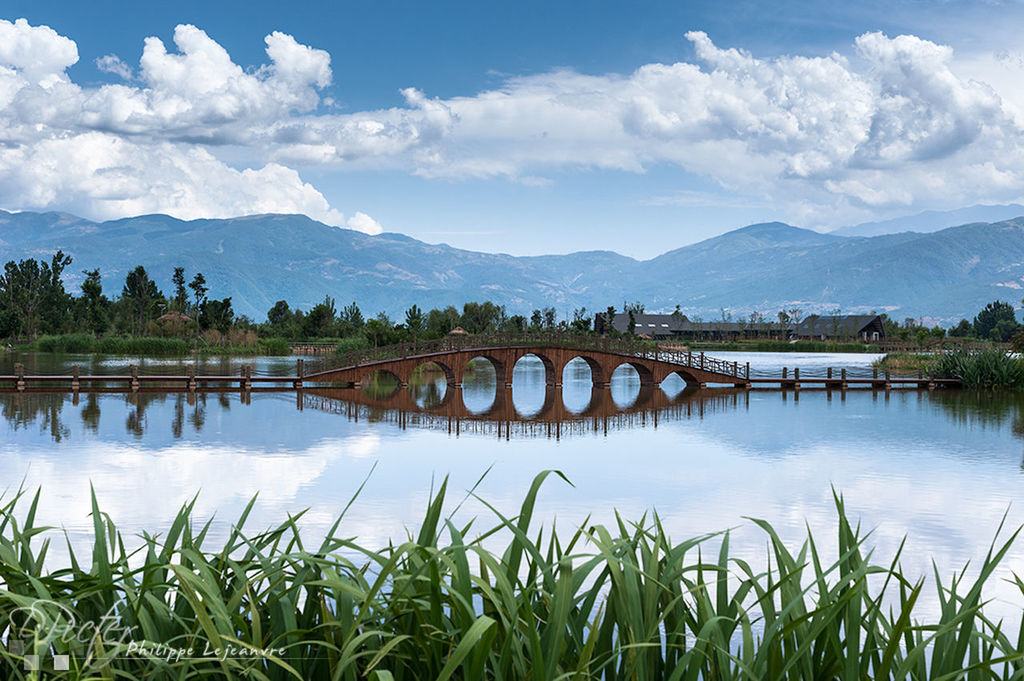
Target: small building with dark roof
866, 327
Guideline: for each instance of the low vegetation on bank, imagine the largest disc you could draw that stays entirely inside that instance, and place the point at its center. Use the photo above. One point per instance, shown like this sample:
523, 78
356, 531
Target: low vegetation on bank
156, 346
619, 602
986, 368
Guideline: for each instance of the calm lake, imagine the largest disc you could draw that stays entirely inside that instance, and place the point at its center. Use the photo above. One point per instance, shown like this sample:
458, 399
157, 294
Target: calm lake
941, 468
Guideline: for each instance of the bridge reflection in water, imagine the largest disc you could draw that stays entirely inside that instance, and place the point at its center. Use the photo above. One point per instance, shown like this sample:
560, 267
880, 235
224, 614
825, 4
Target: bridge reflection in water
503, 419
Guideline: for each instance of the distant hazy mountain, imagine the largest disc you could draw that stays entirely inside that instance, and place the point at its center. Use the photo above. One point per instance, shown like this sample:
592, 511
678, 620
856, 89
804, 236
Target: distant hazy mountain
258, 260
933, 220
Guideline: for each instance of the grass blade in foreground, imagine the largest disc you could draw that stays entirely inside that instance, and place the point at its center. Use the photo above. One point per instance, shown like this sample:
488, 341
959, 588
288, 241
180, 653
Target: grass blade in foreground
622, 602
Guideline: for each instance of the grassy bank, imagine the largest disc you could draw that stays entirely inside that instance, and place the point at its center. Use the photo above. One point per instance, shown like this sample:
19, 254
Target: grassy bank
988, 368
907, 363
152, 346
620, 602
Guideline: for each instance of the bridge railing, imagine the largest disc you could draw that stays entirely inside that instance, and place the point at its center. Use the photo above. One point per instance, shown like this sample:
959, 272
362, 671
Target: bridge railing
627, 346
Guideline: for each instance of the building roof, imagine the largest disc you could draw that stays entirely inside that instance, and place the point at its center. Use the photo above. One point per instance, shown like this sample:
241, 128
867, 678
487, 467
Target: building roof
649, 323
174, 316
662, 324
836, 325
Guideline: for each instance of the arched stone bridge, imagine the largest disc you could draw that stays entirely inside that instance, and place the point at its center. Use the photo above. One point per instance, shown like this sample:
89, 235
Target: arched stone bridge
602, 355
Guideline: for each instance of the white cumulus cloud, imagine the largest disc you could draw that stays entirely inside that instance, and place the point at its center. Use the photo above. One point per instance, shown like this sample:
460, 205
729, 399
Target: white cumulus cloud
895, 123
124, 149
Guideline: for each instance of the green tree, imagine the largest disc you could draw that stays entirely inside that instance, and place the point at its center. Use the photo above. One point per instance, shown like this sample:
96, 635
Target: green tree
963, 329
217, 314
414, 321
34, 291
441, 322
141, 297
180, 293
351, 320
580, 320
480, 317
279, 315
95, 302
990, 317
320, 320
199, 290
550, 317
536, 320
516, 323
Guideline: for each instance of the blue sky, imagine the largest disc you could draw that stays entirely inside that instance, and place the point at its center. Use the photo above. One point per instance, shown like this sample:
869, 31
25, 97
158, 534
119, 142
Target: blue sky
523, 127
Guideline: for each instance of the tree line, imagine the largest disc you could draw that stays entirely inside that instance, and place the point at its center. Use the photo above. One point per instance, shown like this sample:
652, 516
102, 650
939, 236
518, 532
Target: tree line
35, 302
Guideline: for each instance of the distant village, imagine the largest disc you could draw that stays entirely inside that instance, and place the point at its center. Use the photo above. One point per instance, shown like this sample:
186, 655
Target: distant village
677, 326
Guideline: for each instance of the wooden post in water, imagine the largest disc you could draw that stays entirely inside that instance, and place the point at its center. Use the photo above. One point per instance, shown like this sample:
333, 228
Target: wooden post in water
748, 371
842, 383
796, 378
190, 383
299, 371
19, 376
135, 377
74, 377
888, 385
702, 361
246, 377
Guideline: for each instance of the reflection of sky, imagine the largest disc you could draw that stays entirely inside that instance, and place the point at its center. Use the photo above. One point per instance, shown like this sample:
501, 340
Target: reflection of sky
939, 467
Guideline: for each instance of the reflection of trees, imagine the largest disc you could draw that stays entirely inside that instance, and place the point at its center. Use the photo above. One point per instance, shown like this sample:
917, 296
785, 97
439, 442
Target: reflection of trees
986, 409
24, 410
136, 421
178, 420
197, 419
91, 412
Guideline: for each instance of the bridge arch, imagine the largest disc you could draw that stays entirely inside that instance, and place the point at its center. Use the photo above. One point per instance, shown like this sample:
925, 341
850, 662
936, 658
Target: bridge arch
496, 363
373, 385
551, 375
642, 371
598, 373
451, 378
688, 378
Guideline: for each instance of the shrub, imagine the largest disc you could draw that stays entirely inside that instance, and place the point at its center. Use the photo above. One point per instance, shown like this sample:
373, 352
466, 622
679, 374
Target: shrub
143, 345
69, 342
275, 346
351, 343
989, 368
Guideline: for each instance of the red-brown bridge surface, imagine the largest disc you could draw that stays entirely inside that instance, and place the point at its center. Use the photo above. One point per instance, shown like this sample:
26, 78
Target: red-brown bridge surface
602, 355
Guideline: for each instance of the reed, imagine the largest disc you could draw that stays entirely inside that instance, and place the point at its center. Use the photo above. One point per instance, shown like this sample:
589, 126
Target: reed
988, 368
616, 602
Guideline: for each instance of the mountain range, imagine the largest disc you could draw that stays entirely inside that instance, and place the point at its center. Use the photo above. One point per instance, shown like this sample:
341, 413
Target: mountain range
940, 275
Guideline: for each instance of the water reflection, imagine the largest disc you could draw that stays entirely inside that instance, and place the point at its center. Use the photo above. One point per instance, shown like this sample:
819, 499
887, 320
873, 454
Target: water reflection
530, 408
503, 416
22, 410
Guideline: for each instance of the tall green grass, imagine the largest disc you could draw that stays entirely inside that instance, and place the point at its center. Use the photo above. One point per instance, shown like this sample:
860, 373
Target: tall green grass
618, 602
69, 342
151, 346
990, 368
